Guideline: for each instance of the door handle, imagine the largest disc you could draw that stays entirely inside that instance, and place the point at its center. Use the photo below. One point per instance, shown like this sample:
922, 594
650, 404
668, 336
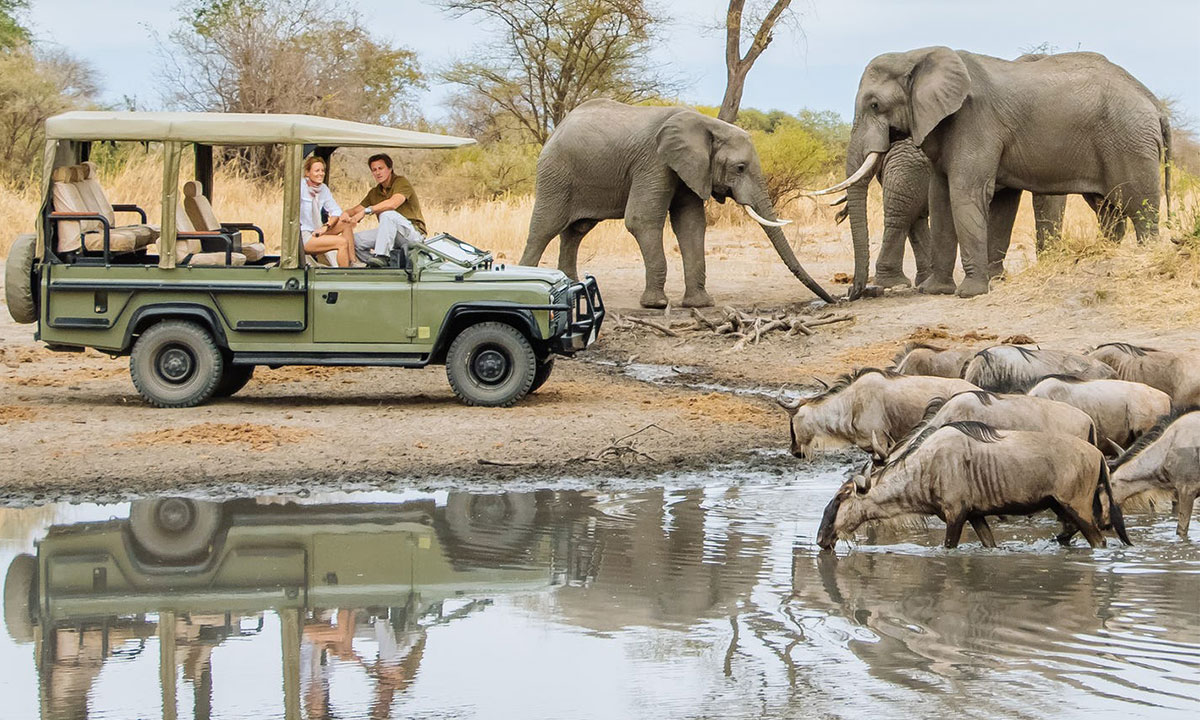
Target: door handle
330, 298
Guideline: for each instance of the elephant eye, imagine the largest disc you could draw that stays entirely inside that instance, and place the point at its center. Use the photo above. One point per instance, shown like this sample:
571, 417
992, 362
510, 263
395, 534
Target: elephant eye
740, 168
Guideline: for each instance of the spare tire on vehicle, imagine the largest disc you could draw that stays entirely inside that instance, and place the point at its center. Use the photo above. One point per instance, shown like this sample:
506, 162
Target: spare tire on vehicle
18, 279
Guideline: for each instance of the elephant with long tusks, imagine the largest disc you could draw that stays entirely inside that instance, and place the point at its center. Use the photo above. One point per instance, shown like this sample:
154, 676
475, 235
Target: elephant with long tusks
1122, 410
1176, 374
1167, 457
964, 471
607, 160
1015, 368
869, 408
922, 359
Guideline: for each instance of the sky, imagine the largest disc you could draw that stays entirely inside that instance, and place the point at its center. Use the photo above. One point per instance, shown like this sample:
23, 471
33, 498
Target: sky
817, 68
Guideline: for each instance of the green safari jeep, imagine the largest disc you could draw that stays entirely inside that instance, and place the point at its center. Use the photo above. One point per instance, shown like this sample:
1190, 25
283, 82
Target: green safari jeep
197, 303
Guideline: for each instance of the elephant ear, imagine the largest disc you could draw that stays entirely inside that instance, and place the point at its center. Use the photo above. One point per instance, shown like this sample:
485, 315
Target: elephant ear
939, 84
685, 144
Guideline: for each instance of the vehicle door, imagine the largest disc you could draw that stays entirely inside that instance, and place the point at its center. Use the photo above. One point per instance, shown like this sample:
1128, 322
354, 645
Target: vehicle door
361, 305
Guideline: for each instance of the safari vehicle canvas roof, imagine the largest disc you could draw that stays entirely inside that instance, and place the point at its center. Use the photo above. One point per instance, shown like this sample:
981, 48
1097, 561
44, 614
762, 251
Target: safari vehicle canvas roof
237, 129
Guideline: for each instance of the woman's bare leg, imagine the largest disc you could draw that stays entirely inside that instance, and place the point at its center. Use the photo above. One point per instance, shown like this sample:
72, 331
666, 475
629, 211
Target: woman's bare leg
316, 244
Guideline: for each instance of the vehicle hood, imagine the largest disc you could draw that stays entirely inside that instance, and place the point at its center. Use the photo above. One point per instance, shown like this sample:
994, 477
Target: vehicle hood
506, 273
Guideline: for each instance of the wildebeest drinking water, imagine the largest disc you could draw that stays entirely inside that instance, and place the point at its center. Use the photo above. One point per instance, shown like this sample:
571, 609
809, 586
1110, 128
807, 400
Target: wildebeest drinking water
1166, 457
869, 408
965, 471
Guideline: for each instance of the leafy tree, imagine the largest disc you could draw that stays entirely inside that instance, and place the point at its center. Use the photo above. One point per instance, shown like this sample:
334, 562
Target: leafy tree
280, 56
549, 57
12, 33
34, 85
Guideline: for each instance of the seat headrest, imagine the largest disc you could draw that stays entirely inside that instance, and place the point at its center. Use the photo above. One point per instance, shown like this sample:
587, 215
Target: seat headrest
88, 168
61, 174
192, 188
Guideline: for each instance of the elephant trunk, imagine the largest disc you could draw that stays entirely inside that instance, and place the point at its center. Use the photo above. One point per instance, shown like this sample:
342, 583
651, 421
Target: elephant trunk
762, 206
856, 210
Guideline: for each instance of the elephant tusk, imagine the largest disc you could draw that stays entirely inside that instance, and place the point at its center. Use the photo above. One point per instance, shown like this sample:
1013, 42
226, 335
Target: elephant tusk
762, 220
867, 166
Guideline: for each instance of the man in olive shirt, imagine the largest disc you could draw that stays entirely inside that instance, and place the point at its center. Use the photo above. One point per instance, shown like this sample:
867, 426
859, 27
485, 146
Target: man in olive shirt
395, 202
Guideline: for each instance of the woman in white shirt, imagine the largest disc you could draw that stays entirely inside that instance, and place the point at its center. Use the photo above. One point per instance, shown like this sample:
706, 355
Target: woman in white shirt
322, 237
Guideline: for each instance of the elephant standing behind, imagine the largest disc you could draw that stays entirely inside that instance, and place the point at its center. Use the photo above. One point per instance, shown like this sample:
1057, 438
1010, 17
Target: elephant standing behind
608, 160
1056, 125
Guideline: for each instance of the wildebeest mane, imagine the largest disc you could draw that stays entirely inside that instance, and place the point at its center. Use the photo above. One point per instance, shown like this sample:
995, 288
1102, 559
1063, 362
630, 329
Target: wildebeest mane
977, 431
1147, 438
909, 347
985, 397
844, 381
1128, 348
997, 376
1070, 379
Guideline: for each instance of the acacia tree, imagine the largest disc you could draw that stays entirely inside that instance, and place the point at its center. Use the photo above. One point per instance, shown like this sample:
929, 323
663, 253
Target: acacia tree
738, 65
286, 56
550, 56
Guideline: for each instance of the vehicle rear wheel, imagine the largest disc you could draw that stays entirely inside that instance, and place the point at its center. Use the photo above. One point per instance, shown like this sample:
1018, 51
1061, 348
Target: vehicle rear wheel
174, 529
176, 364
482, 526
544, 368
19, 292
491, 364
233, 378
20, 584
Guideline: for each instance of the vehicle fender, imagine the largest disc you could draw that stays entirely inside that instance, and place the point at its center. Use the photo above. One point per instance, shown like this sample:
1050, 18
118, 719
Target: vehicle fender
144, 317
461, 315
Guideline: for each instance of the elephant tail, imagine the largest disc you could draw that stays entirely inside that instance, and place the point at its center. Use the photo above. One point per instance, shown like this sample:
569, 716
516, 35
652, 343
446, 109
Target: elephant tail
1164, 122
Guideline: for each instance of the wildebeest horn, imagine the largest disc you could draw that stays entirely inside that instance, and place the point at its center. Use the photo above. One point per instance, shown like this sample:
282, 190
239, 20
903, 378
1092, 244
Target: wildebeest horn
1120, 450
790, 405
824, 384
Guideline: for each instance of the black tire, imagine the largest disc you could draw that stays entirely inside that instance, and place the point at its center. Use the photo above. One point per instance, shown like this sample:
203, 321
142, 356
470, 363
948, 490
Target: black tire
491, 364
544, 368
18, 279
176, 364
20, 586
174, 529
233, 378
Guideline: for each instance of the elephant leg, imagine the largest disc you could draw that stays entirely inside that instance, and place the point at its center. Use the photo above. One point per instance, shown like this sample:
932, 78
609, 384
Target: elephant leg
1109, 218
970, 198
568, 247
1048, 211
889, 266
647, 228
918, 237
1001, 216
983, 531
688, 224
549, 219
943, 246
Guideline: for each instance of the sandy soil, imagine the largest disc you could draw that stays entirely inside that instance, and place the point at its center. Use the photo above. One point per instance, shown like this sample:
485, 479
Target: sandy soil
73, 422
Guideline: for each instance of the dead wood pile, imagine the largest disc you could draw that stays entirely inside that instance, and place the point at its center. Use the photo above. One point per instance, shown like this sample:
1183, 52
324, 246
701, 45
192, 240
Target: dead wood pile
744, 328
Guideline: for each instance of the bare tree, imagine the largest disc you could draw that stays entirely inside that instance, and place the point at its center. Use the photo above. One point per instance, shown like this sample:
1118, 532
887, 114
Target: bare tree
552, 55
738, 65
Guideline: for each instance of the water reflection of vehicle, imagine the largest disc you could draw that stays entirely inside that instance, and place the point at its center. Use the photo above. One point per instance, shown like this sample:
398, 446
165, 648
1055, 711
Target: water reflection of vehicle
195, 573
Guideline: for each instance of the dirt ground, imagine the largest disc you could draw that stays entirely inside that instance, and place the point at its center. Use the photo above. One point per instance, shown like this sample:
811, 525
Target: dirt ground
74, 423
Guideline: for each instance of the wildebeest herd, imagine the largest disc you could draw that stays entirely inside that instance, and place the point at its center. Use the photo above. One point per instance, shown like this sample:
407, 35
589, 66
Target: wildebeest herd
1010, 430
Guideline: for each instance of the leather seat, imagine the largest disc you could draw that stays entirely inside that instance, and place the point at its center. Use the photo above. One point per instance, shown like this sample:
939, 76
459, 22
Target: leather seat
94, 196
200, 214
66, 197
190, 251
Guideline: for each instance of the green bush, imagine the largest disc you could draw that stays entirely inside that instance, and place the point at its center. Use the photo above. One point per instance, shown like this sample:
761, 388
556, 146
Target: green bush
485, 172
793, 158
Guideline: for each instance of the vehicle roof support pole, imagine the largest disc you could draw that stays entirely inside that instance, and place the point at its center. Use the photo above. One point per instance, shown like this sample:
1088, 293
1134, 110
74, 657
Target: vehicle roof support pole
204, 169
289, 247
170, 201
290, 631
48, 155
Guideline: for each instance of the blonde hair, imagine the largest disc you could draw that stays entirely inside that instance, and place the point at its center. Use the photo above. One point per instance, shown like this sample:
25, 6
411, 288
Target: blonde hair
313, 160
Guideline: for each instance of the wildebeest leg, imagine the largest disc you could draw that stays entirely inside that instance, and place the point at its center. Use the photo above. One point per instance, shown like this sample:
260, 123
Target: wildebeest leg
954, 528
1068, 526
1090, 532
1187, 498
983, 531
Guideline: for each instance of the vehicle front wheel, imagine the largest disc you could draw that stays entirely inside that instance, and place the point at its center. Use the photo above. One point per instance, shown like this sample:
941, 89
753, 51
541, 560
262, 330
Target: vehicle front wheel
233, 378
544, 368
176, 364
174, 529
491, 364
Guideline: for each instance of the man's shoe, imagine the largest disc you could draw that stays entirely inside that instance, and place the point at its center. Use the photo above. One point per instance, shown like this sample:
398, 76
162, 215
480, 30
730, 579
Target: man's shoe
377, 261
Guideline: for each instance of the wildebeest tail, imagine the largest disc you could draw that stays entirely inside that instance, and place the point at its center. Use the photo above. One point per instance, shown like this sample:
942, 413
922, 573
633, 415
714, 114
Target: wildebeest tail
1115, 516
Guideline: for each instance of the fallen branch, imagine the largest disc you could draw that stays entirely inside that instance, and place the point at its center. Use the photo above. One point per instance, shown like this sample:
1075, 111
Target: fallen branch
651, 324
